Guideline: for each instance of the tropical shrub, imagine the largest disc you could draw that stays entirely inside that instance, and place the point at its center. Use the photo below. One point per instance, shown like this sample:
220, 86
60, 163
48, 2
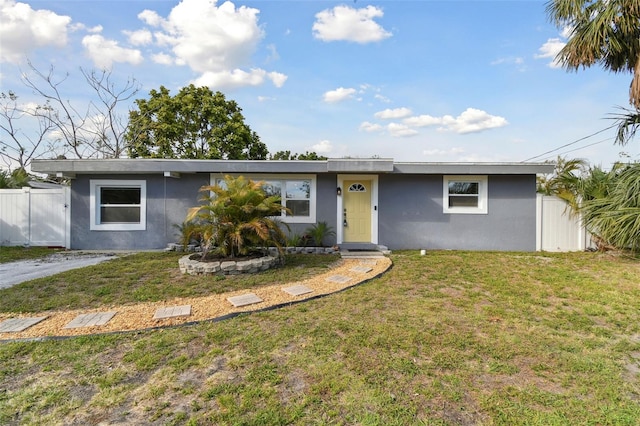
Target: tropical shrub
612, 209
236, 218
319, 232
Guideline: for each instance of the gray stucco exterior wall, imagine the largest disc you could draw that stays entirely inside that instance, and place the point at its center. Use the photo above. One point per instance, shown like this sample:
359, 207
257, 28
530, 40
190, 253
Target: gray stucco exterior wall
168, 200
411, 215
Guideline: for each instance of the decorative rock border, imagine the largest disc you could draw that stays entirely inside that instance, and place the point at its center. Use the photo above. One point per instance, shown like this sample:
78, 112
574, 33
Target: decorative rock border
227, 267
191, 248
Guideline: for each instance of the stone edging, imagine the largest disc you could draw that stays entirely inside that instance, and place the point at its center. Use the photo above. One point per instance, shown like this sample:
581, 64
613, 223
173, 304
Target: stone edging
227, 267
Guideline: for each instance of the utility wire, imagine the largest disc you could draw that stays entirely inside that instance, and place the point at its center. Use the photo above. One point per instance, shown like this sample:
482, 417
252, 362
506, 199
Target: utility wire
570, 143
582, 147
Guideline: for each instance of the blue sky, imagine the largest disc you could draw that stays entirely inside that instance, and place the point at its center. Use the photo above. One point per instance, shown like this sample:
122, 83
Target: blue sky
412, 80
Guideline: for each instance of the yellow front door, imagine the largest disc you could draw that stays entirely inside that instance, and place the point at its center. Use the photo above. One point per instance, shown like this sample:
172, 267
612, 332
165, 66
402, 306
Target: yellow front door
357, 211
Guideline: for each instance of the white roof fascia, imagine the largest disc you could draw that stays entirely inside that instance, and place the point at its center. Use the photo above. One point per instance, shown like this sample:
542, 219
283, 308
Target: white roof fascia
174, 166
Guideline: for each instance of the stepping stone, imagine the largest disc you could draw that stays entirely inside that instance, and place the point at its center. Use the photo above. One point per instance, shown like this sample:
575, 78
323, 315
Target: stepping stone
14, 325
340, 279
244, 299
371, 262
89, 320
362, 269
173, 311
297, 290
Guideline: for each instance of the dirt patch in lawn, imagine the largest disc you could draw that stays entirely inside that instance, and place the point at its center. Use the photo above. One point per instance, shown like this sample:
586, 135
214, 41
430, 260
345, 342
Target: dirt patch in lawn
140, 316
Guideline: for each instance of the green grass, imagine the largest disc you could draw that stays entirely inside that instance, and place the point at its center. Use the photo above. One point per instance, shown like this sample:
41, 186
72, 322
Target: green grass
142, 277
449, 338
11, 254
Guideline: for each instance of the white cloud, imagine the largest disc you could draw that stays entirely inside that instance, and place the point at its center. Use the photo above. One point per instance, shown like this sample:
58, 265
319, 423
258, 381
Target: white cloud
391, 114
162, 59
278, 79
401, 130
349, 24
23, 29
338, 95
567, 31
150, 17
422, 121
370, 127
273, 53
239, 78
382, 98
442, 152
323, 147
105, 52
512, 60
215, 41
470, 121
550, 49
140, 37
82, 27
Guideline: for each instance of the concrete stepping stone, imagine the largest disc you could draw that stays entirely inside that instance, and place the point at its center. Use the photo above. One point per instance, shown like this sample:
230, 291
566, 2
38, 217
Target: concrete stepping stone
297, 290
173, 311
90, 320
371, 262
340, 279
14, 325
362, 269
244, 299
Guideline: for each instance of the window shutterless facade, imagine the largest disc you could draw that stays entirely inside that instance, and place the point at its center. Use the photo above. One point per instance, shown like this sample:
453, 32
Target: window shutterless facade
118, 205
465, 194
297, 193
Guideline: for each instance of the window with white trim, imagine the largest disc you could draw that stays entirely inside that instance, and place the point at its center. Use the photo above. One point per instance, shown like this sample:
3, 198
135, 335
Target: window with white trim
297, 193
118, 205
465, 194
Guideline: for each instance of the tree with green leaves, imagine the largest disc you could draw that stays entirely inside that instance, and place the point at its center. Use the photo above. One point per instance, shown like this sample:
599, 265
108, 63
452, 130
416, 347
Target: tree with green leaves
18, 178
236, 217
605, 32
564, 182
195, 123
287, 155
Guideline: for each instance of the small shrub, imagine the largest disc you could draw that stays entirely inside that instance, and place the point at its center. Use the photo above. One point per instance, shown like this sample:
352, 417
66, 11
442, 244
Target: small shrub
319, 232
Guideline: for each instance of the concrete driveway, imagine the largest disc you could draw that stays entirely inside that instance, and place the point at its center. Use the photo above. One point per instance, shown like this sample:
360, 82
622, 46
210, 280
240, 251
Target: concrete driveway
13, 273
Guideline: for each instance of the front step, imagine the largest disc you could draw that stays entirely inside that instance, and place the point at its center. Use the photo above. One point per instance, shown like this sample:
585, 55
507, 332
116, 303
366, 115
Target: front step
363, 250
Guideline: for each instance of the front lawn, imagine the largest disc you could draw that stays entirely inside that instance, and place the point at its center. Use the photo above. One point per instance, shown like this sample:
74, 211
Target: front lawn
143, 277
450, 338
13, 253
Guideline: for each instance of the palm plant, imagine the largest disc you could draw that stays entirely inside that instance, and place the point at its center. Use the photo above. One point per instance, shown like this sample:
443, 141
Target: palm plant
564, 182
613, 213
319, 232
237, 217
17, 179
605, 32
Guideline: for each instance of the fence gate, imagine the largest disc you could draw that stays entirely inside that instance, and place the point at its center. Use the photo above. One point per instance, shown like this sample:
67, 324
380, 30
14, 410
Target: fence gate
558, 229
35, 217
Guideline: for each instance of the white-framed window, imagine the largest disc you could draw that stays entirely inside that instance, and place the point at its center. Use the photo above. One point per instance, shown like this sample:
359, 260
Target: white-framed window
118, 205
465, 194
297, 193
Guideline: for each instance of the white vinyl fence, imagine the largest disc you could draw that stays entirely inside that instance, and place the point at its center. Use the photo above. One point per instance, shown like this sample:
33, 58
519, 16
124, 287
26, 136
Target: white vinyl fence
35, 217
558, 229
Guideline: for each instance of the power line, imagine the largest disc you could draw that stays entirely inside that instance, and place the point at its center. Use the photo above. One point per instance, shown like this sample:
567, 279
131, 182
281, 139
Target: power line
586, 146
571, 143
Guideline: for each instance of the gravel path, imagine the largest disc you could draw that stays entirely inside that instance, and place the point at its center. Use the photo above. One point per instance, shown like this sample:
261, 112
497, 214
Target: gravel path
140, 316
